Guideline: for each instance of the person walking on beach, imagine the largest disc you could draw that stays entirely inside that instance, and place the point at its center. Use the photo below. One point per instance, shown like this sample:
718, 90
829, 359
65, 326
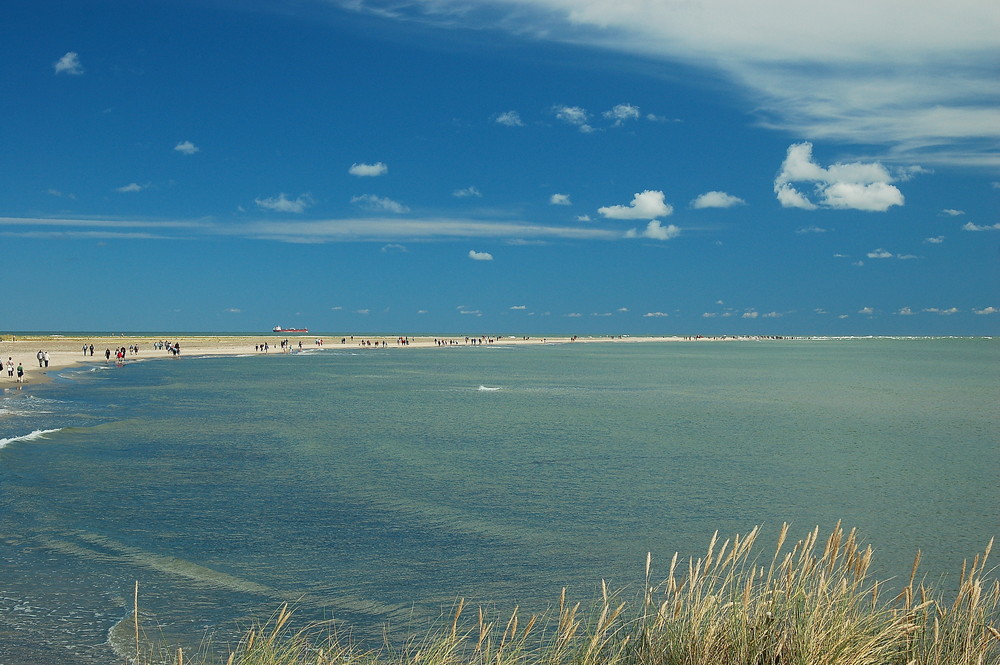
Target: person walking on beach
10, 366
45, 356
20, 373
40, 357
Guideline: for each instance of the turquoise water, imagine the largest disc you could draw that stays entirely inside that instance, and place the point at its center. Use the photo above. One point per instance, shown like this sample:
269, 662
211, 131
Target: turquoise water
378, 486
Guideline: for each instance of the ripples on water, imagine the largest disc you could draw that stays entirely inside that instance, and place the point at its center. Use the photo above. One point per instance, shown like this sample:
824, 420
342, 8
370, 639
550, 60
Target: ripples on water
378, 486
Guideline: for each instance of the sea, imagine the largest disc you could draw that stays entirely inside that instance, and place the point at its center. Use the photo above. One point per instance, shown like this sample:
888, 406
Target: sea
373, 488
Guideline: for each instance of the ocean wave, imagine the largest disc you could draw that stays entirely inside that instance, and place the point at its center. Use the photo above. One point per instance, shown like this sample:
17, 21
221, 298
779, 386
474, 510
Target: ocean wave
37, 434
489, 389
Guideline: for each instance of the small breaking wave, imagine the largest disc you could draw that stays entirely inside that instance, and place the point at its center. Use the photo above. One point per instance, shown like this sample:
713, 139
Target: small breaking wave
489, 389
37, 434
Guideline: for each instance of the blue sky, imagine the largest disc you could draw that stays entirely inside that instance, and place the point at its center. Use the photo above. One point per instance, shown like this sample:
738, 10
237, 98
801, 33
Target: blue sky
501, 166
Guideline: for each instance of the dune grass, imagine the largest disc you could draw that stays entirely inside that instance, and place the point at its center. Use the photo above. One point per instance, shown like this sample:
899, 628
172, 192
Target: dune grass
811, 603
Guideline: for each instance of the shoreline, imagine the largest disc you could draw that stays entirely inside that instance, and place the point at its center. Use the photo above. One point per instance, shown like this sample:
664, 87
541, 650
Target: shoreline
66, 350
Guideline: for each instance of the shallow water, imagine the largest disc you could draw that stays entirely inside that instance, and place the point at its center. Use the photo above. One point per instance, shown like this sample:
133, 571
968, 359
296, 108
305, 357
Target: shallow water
376, 486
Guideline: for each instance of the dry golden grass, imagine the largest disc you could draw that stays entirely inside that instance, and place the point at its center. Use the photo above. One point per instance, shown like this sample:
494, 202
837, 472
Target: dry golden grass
811, 603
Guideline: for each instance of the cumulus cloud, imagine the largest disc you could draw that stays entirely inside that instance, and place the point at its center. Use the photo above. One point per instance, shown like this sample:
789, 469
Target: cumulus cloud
519, 307
282, 203
905, 311
379, 204
574, 115
969, 226
789, 197
583, 218
655, 315
655, 231
480, 256
622, 113
69, 64
717, 200
866, 310
510, 119
467, 192
131, 187
880, 254
560, 200
186, 148
854, 186
368, 170
648, 204
936, 240
985, 311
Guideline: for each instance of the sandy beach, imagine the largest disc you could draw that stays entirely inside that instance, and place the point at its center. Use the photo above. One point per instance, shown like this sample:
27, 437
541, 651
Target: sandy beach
67, 350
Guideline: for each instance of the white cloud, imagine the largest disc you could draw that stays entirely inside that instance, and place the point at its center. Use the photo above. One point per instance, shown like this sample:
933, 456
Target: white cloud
855, 186
394, 247
574, 115
969, 226
480, 256
622, 310
921, 83
905, 311
379, 204
752, 314
282, 203
368, 170
69, 64
655, 231
810, 229
510, 119
621, 113
560, 200
655, 315
880, 254
772, 315
951, 212
936, 240
583, 218
717, 200
648, 204
986, 311
519, 307
131, 187
363, 311
789, 197
866, 310
186, 148
467, 192
470, 312
574, 315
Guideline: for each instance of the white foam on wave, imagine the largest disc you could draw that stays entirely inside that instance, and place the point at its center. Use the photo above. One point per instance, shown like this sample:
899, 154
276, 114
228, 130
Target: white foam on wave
37, 434
489, 389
